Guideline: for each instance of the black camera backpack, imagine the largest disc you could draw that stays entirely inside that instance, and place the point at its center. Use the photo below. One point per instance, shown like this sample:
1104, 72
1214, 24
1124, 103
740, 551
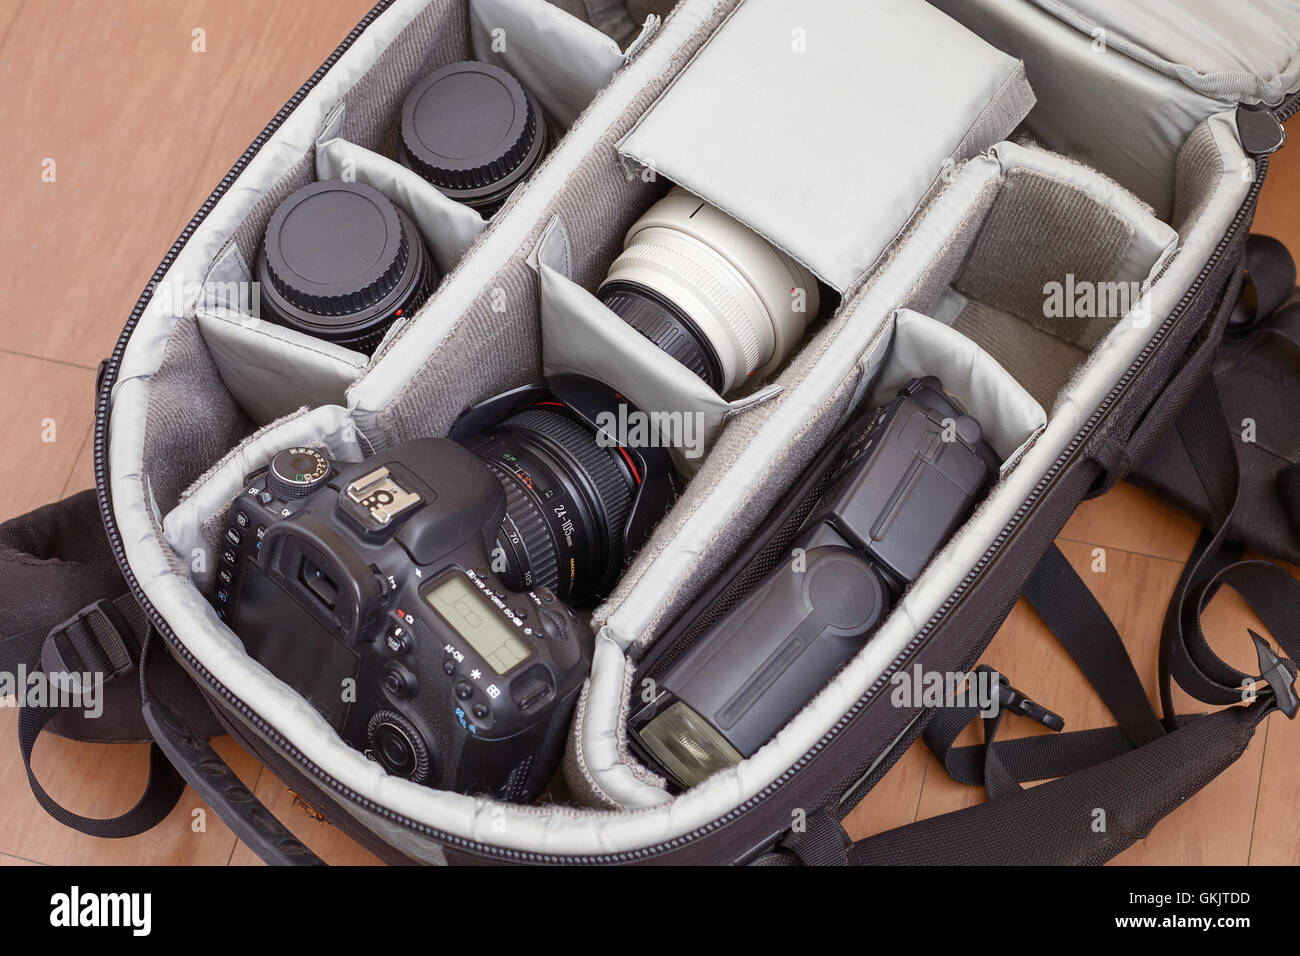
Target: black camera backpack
114, 581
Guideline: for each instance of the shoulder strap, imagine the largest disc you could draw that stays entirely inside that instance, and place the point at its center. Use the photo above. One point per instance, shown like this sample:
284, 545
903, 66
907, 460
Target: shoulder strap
101, 643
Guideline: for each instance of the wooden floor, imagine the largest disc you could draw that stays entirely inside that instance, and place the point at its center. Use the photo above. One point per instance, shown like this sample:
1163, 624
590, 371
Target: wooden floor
140, 126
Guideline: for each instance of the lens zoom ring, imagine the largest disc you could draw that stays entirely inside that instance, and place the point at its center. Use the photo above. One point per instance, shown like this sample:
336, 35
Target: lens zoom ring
538, 546
729, 309
614, 497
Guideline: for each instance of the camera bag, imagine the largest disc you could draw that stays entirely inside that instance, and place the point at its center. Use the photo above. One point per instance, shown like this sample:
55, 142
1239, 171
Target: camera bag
969, 179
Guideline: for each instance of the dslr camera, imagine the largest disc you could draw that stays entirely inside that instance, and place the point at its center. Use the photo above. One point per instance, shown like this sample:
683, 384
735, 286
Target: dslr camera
418, 599
904, 478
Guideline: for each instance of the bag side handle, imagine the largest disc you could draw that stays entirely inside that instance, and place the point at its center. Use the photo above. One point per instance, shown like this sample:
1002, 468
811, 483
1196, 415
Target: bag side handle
194, 761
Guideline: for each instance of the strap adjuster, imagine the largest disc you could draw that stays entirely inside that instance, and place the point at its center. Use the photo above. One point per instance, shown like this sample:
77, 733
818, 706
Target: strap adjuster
96, 642
1014, 702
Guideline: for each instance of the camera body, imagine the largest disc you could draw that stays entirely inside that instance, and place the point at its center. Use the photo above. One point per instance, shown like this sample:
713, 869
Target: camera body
370, 590
903, 483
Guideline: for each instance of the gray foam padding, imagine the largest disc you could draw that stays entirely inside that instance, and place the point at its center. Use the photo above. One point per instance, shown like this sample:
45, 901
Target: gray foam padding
775, 149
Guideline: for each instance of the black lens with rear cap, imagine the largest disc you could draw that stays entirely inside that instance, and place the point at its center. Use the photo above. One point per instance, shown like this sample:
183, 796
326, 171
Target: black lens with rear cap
340, 261
473, 131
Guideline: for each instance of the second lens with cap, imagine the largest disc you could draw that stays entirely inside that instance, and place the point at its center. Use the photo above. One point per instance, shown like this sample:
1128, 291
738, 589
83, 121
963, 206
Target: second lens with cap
473, 131
340, 261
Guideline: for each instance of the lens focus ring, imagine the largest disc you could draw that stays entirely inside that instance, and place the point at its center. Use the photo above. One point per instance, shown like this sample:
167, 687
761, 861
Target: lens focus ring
613, 494
656, 256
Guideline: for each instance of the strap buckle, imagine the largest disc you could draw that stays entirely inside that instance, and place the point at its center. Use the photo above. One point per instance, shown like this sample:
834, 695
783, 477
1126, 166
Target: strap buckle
1015, 702
1280, 675
96, 643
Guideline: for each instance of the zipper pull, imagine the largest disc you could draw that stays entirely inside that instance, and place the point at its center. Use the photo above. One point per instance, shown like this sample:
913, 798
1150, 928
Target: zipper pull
1260, 131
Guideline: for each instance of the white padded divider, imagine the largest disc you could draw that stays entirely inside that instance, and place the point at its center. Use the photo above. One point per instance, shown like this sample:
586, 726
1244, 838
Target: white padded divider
922, 346
1153, 241
757, 125
563, 61
581, 336
269, 369
448, 227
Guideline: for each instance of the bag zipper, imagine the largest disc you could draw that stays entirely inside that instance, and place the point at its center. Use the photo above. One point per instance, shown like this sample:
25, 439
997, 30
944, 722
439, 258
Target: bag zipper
102, 407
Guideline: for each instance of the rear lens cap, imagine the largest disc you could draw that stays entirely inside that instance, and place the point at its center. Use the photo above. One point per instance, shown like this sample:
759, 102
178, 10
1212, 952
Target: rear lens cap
473, 131
340, 261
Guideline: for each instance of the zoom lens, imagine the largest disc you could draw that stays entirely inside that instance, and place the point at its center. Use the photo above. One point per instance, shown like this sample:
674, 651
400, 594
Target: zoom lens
474, 132
340, 262
710, 292
567, 502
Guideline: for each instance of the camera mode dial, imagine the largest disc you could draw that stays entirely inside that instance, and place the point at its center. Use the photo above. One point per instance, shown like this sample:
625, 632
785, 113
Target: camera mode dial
296, 473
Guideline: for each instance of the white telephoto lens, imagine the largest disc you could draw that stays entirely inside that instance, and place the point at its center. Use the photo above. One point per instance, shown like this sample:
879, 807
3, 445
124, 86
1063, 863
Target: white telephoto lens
709, 291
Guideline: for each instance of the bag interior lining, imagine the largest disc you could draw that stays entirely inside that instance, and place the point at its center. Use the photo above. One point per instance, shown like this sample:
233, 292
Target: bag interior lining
359, 140
806, 410
997, 330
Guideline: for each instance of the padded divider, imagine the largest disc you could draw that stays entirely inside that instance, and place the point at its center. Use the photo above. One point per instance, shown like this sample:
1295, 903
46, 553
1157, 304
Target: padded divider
921, 346
193, 528
756, 126
447, 227
580, 335
269, 369
1085, 253
1095, 103
562, 60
